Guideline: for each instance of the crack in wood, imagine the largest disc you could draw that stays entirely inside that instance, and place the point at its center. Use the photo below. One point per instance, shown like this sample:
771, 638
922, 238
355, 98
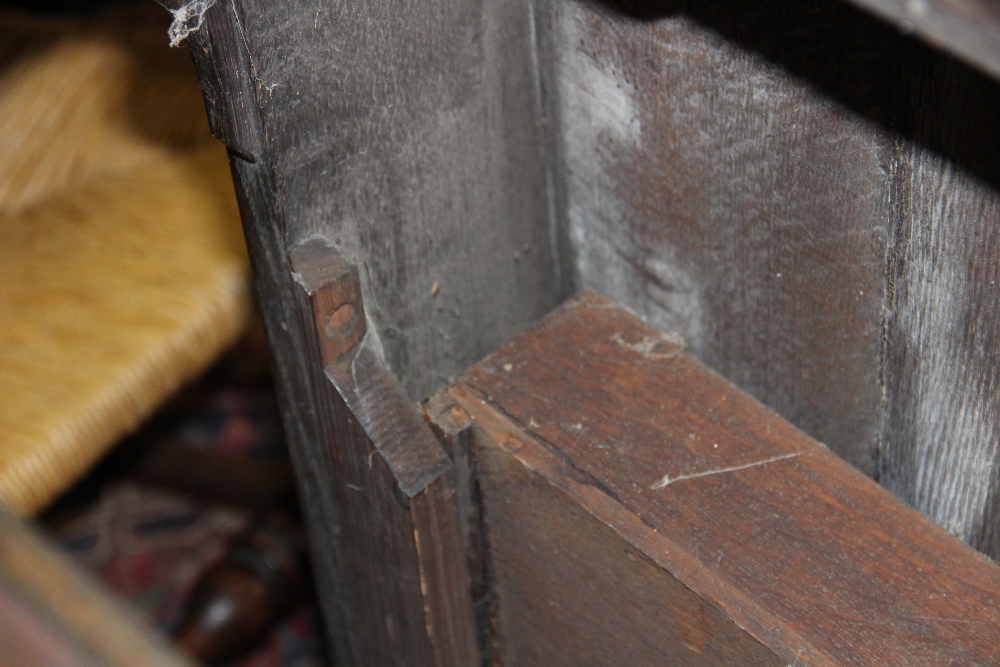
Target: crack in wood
668, 480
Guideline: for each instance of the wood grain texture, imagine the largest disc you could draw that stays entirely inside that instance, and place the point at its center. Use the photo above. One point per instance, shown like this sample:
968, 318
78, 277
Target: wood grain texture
942, 326
808, 198
405, 134
452, 426
223, 68
406, 592
53, 615
641, 509
444, 578
792, 187
722, 198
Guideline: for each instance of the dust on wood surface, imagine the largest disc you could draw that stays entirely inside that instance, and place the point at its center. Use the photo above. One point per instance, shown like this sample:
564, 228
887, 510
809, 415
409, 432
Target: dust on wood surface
123, 273
812, 558
811, 200
405, 134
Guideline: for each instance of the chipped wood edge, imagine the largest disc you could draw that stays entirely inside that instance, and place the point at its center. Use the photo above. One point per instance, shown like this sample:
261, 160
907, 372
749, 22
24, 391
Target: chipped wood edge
354, 374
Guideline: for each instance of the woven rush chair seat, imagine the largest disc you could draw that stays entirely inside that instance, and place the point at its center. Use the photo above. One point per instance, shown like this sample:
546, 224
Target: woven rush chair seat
123, 271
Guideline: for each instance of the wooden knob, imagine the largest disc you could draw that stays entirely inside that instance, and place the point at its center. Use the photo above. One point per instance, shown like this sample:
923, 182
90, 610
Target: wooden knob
238, 600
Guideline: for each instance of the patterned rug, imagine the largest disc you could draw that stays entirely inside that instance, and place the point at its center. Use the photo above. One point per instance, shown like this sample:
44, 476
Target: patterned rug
150, 544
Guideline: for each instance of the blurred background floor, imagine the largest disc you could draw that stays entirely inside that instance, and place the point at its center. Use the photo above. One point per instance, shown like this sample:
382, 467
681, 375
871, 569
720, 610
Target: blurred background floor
123, 278
149, 542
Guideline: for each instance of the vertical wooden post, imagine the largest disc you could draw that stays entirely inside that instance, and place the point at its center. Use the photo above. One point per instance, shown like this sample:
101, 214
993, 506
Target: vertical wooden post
641, 510
405, 583
377, 487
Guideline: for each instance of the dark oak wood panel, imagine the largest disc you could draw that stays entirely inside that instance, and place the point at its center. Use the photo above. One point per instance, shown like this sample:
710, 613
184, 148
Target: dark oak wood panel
808, 198
451, 425
225, 74
405, 134
406, 597
620, 478
721, 197
573, 591
969, 29
379, 490
804, 196
224, 71
942, 327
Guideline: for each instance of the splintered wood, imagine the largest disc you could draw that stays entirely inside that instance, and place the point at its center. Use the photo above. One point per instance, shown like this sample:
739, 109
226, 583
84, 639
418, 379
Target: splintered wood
639, 509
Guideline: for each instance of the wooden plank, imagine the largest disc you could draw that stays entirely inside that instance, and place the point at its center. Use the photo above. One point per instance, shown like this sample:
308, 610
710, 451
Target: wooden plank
711, 187
379, 490
809, 199
53, 615
451, 425
750, 176
406, 136
224, 72
406, 590
941, 355
641, 509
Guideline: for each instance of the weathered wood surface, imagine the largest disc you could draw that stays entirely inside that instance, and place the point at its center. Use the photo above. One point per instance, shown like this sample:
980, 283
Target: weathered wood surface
405, 134
53, 615
451, 425
792, 186
379, 489
723, 200
640, 509
810, 199
405, 595
941, 356
224, 72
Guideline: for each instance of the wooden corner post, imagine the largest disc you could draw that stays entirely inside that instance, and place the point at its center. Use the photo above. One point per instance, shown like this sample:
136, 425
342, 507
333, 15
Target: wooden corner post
376, 486
405, 589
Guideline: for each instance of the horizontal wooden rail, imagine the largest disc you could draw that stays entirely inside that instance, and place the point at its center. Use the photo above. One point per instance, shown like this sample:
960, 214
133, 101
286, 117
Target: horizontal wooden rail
641, 510
403, 595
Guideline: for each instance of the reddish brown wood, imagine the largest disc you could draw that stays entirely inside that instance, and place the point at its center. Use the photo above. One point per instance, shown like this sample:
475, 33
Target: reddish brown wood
640, 509
451, 425
810, 199
404, 592
762, 177
443, 574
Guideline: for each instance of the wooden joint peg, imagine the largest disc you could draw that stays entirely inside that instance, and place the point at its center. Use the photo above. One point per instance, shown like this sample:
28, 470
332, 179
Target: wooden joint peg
334, 290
